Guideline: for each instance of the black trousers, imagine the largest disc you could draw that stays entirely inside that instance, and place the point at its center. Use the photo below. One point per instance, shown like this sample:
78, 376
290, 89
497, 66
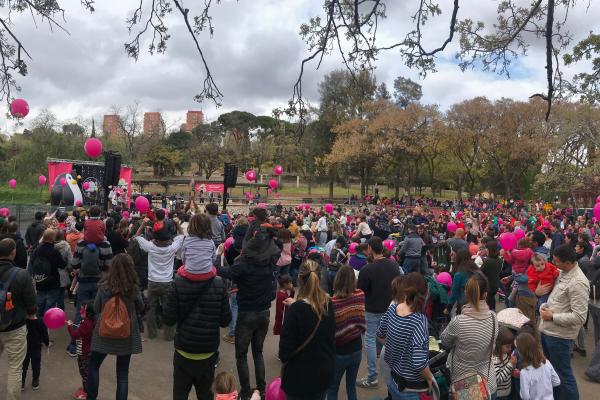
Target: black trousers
34, 355
197, 373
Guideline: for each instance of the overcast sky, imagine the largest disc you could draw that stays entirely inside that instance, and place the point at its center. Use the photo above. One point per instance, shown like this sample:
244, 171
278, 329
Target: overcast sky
255, 56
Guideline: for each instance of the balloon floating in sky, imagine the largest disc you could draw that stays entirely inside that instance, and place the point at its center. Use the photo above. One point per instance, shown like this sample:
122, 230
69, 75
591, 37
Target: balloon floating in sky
12, 183
93, 147
19, 108
42, 180
278, 170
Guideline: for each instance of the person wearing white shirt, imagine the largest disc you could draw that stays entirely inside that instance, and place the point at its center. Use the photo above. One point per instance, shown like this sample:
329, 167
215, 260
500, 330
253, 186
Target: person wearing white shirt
322, 230
161, 254
537, 377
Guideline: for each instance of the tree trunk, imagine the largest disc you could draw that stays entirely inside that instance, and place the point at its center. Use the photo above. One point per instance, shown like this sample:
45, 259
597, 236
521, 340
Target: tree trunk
331, 185
309, 181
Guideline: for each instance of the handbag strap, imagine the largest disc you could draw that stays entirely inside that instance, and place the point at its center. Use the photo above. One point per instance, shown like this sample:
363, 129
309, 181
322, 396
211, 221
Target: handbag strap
308, 339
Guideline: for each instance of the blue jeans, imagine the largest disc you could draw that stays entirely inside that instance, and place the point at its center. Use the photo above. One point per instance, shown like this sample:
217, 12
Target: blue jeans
348, 364
411, 264
234, 313
558, 352
86, 291
46, 299
93, 382
371, 343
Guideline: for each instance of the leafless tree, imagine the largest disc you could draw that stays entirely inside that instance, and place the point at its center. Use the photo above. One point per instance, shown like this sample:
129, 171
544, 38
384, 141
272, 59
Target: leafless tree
130, 125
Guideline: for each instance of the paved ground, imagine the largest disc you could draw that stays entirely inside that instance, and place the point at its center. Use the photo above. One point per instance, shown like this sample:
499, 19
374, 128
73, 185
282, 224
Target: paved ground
150, 374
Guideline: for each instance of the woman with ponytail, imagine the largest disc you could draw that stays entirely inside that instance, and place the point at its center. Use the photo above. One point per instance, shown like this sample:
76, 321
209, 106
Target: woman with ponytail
404, 328
307, 343
471, 335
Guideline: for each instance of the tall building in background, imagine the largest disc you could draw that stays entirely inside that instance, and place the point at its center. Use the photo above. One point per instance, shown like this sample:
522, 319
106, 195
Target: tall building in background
153, 124
111, 126
193, 119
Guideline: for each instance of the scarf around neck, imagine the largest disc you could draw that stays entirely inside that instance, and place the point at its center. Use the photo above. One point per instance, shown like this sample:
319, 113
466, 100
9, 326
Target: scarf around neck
483, 313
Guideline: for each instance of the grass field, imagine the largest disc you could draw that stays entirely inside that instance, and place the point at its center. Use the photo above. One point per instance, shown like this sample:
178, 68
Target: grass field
24, 195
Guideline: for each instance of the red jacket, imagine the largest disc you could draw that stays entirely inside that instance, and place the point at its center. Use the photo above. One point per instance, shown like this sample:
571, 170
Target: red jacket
519, 259
280, 310
545, 277
93, 231
83, 335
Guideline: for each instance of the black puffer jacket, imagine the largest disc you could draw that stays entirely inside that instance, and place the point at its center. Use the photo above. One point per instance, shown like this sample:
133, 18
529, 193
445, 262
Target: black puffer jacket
199, 308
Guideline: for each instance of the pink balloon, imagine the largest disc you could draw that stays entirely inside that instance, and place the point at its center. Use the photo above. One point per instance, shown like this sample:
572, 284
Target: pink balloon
508, 241
86, 185
519, 234
598, 199
125, 215
93, 147
597, 211
63, 182
19, 108
273, 184
228, 243
389, 244
352, 249
55, 318
329, 208
42, 180
12, 183
274, 391
500, 221
4, 212
307, 207
78, 203
269, 191
278, 170
250, 175
142, 204
444, 278
451, 227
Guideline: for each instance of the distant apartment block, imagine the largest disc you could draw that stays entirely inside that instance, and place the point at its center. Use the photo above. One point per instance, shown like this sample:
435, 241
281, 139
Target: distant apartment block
111, 126
153, 124
193, 119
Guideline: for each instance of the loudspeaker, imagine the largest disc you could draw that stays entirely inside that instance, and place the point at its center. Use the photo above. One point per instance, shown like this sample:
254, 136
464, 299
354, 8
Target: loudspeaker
230, 175
112, 168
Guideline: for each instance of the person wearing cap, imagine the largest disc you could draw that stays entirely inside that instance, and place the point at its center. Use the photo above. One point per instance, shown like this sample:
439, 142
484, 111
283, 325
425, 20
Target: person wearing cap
161, 255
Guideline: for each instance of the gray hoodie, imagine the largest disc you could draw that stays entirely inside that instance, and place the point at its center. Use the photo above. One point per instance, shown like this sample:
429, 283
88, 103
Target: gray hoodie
412, 245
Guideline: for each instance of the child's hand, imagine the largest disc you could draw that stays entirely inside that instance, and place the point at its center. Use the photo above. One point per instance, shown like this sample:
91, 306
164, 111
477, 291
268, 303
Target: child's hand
69, 322
255, 395
513, 360
505, 280
289, 301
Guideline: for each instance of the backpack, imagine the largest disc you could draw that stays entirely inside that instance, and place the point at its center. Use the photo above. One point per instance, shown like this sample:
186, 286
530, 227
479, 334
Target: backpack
7, 309
115, 322
90, 260
41, 271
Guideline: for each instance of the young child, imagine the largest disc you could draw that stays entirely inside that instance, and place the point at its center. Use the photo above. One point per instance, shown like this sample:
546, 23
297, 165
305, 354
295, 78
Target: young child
83, 339
37, 334
93, 227
225, 387
541, 272
504, 363
286, 290
537, 374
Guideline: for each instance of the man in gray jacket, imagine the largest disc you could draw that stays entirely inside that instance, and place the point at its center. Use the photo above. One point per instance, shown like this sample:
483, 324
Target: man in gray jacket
411, 250
218, 230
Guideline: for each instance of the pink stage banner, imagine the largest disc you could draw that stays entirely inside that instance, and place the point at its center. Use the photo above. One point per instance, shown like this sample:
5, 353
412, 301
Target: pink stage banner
210, 187
55, 169
125, 182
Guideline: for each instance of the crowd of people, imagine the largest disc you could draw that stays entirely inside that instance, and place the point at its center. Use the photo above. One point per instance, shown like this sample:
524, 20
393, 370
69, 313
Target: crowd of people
399, 284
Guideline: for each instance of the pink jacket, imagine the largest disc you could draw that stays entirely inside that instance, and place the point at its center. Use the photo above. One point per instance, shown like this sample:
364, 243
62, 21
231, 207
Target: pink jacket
519, 259
286, 255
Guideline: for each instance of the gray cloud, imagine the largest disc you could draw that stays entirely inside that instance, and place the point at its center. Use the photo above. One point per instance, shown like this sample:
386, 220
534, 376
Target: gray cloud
254, 55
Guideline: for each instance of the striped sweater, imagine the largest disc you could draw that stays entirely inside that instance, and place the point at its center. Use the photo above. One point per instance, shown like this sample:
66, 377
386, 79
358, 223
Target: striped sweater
504, 371
349, 318
469, 335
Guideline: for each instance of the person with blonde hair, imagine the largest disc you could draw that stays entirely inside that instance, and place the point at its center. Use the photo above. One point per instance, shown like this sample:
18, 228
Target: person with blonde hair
307, 343
472, 334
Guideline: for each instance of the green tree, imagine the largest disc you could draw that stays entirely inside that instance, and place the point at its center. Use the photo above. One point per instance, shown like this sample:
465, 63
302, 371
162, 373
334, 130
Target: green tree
406, 91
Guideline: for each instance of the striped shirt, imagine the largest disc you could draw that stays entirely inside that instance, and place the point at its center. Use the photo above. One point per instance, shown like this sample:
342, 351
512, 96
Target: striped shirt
349, 319
471, 342
407, 343
504, 371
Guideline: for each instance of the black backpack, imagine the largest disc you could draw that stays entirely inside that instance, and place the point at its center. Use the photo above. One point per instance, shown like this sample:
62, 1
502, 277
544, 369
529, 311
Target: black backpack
7, 309
41, 271
90, 261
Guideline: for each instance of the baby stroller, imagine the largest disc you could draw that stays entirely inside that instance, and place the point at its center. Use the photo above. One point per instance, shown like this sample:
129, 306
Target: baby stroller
437, 300
441, 373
